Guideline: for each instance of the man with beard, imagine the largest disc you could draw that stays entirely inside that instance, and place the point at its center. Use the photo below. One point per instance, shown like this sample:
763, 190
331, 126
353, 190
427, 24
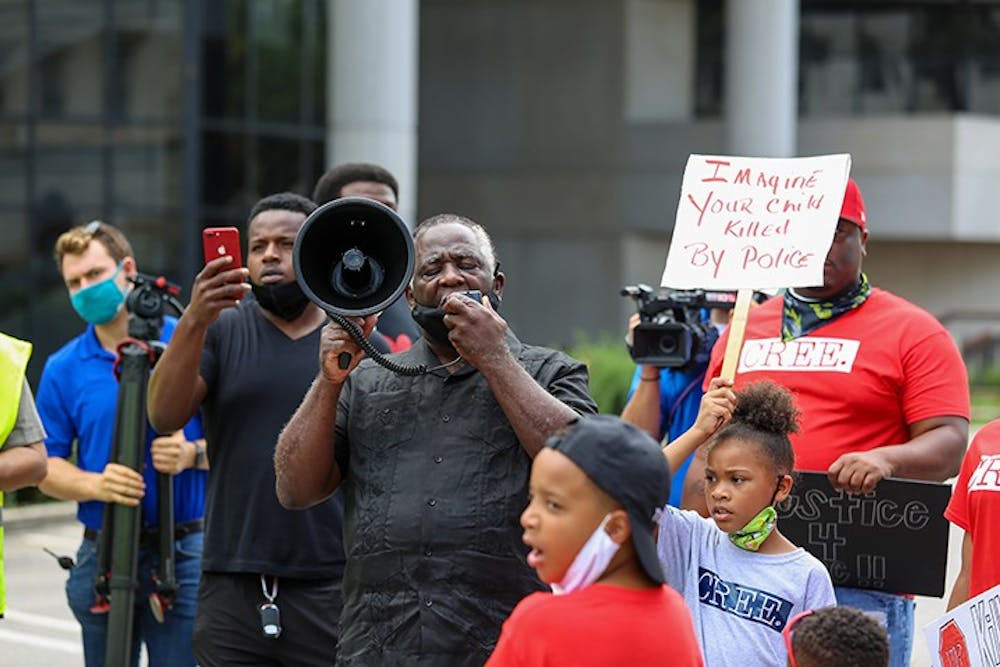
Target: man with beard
434, 467
270, 585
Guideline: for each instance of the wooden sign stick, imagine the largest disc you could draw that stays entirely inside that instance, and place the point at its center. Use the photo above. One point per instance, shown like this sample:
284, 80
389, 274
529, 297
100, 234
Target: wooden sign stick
737, 327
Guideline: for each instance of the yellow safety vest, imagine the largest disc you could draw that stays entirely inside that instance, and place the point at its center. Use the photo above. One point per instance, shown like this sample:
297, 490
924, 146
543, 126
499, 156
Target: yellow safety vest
14, 356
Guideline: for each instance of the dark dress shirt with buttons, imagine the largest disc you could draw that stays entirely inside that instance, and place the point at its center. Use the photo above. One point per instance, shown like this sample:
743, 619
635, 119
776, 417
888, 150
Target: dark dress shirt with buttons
434, 482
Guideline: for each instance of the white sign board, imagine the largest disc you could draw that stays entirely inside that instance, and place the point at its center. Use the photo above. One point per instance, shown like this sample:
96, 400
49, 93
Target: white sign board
968, 635
755, 223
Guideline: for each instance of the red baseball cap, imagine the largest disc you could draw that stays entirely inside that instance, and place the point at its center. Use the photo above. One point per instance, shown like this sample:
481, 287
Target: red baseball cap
853, 208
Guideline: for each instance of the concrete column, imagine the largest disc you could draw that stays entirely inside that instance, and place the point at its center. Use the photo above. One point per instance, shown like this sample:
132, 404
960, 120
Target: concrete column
372, 50
762, 58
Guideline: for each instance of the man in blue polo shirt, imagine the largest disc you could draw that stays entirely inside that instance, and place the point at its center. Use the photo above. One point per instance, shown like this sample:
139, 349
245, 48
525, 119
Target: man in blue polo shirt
77, 401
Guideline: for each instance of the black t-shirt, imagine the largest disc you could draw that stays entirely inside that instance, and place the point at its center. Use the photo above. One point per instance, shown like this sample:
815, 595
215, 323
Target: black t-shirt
256, 378
396, 321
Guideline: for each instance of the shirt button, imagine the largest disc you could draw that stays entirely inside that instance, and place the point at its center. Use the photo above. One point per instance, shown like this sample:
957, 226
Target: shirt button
438, 459
432, 502
446, 418
428, 603
428, 553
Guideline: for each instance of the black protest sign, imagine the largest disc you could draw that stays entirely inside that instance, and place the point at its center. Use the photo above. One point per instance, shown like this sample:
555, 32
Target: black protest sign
894, 539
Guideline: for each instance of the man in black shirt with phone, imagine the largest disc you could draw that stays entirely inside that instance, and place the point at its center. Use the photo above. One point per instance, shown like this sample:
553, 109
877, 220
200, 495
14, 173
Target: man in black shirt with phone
270, 586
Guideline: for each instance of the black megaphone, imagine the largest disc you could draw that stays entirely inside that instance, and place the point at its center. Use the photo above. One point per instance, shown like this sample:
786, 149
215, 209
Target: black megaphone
353, 256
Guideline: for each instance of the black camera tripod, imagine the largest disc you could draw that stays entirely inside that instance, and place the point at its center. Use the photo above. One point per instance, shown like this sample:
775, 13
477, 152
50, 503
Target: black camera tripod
118, 550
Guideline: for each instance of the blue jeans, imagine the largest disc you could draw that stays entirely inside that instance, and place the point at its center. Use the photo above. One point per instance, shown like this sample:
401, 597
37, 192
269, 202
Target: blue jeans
894, 612
168, 644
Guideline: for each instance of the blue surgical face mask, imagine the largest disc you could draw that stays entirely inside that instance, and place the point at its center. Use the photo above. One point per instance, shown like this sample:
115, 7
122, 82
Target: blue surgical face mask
99, 303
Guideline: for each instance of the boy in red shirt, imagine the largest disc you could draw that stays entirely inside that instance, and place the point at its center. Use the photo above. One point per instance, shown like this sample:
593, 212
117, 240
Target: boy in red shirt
975, 508
596, 491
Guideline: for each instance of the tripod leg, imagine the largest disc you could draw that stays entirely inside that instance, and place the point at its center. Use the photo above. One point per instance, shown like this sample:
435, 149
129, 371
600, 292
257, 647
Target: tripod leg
130, 436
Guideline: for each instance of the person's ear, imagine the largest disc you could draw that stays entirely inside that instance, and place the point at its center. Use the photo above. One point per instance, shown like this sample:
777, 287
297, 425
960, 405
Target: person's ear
499, 279
408, 293
784, 488
618, 527
128, 266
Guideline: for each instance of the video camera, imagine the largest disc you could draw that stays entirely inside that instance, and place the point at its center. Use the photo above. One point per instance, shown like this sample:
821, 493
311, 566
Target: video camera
672, 333
147, 303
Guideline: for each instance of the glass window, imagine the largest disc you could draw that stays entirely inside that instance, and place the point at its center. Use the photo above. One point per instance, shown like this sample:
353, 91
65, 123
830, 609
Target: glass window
13, 250
315, 158
278, 167
71, 56
277, 60
710, 58
315, 46
935, 46
900, 57
224, 59
51, 214
13, 164
983, 68
224, 172
828, 69
155, 239
69, 164
149, 59
14, 70
147, 163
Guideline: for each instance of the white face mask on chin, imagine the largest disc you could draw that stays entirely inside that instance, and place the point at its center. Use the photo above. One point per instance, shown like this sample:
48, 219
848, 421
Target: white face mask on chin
590, 562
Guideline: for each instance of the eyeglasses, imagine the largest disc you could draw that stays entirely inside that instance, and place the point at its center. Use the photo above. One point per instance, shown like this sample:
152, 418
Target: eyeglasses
787, 633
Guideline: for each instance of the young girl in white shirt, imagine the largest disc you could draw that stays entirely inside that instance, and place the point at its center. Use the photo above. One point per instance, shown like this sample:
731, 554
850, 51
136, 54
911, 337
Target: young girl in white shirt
741, 578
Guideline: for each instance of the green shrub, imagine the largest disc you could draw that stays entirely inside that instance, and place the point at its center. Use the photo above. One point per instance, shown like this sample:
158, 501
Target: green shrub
610, 367
985, 403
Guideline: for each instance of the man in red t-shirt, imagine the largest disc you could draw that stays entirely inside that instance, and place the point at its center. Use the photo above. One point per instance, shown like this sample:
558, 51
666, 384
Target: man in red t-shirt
596, 490
882, 387
975, 508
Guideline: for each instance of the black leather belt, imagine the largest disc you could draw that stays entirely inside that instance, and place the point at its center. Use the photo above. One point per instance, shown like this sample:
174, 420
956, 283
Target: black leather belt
151, 536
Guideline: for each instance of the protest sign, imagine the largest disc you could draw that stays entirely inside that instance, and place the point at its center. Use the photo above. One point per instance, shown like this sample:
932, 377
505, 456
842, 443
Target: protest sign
894, 539
968, 635
755, 222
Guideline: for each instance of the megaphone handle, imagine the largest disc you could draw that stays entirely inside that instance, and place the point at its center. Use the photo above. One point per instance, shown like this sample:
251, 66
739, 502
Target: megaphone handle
344, 358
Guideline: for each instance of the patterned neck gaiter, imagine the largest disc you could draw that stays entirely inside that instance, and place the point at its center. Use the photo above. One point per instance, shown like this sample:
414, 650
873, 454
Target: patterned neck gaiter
800, 317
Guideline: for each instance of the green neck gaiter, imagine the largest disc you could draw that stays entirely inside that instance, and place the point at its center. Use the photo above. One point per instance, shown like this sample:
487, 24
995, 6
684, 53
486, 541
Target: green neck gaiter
752, 535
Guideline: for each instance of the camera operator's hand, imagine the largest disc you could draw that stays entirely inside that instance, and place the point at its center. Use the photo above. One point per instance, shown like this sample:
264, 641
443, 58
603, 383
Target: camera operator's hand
475, 330
216, 288
173, 454
633, 322
334, 341
119, 484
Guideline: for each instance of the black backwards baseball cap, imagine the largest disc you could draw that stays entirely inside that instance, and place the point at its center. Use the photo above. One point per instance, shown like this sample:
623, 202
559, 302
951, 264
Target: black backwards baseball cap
630, 467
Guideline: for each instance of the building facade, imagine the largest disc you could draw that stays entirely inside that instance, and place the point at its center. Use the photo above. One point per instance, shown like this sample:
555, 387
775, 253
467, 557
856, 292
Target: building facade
561, 125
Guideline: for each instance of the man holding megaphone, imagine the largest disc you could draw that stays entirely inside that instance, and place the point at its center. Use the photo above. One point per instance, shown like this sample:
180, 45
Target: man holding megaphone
433, 466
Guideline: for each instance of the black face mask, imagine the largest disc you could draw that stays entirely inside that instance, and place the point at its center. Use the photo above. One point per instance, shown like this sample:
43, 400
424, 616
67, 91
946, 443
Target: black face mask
286, 300
431, 320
